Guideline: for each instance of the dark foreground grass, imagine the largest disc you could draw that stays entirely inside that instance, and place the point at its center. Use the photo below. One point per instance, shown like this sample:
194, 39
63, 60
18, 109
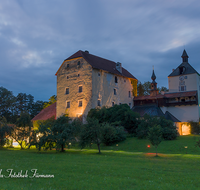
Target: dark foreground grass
130, 165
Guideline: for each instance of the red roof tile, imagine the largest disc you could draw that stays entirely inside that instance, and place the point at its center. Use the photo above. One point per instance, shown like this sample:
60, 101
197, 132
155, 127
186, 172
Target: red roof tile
167, 95
46, 113
100, 63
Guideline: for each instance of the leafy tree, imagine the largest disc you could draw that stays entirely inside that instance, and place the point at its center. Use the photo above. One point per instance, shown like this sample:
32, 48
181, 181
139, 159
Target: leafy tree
91, 133
145, 88
56, 133
155, 136
52, 100
5, 130
120, 113
7, 100
22, 132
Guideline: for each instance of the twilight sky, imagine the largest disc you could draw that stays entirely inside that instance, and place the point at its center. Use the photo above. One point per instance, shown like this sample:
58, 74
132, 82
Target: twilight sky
36, 36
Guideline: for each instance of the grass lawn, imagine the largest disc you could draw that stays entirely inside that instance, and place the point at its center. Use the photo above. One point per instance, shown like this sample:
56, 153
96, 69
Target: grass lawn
132, 166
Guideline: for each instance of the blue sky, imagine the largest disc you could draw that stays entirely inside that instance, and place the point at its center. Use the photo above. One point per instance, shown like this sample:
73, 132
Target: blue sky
36, 36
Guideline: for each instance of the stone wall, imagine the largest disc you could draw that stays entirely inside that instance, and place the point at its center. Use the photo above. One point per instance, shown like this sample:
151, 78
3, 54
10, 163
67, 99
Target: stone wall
72, 74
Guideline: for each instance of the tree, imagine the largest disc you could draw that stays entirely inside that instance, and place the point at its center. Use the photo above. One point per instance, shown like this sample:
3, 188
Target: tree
145, 88
5, 131
56, 133
22, 132
155, 136
52, 100
120, 113
91, 133
7, 101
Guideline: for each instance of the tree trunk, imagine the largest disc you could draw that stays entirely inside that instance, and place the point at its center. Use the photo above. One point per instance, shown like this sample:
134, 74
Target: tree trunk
62, 148
99, 148
156, 151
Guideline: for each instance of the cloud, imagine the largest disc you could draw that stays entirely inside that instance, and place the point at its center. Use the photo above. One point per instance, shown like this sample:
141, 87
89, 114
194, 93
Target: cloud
36, 36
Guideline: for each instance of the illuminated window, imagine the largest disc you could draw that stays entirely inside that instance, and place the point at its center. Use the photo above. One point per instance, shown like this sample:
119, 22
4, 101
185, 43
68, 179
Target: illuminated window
98, 102
80, 89
80, 103
67, 91
129, 94
68, 104
116, 79
115, 92
113, 103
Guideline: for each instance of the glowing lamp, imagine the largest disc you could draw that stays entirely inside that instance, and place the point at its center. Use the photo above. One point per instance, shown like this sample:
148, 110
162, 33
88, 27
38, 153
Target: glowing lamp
148, 146
70, 143
116, 144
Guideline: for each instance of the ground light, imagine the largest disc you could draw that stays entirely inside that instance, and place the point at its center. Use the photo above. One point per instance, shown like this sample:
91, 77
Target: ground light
186, 149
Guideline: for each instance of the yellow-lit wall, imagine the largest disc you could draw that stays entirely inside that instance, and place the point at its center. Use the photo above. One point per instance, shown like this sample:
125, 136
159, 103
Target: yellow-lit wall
183, 128
73, 83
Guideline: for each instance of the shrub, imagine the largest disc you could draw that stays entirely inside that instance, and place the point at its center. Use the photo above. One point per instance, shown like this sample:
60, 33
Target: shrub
195, 127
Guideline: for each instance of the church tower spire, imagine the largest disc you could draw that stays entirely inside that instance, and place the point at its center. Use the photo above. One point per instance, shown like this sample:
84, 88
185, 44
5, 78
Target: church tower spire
185, 56
154, 90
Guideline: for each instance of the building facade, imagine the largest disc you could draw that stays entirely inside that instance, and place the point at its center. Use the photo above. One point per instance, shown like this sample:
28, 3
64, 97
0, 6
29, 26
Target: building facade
86, 81
180, 104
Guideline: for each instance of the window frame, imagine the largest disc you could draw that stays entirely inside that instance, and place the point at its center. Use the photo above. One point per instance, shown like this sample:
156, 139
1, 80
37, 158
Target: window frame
67, 92
80, 87
67, 104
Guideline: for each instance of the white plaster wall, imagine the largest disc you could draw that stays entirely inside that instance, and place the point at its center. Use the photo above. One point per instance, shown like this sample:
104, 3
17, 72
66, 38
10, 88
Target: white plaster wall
183, 113
103, 89
191, 83
85, 79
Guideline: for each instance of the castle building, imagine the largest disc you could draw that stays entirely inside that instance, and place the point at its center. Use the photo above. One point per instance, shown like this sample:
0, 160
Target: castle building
180, 104
86, 81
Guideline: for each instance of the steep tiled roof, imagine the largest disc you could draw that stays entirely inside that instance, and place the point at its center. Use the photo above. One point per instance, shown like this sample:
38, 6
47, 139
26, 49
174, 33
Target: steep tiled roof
151, 110
101, 63
188, 70
46, 113
169, 116
167, 95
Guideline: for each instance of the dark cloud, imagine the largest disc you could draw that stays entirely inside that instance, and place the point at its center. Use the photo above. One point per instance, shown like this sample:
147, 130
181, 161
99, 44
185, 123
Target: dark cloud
36, 36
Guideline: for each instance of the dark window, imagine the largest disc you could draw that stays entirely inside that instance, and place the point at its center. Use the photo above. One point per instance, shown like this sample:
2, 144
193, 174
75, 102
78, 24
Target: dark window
120, 103
113, 103
78, 75
67, 65
115, 79
182, 88
115, 92
181, 70
99, 74
67, 91
129, 94
98, 102
79, 63
80, 103
129, 105
80, 89
67, 77
124, 80
68, 104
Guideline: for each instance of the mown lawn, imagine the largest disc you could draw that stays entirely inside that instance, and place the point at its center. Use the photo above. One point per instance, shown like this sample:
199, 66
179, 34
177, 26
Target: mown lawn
125, 168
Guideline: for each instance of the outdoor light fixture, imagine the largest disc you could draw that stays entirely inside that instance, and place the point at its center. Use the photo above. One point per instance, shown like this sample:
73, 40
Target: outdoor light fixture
70, 143
148, 146
186, 149
116, 144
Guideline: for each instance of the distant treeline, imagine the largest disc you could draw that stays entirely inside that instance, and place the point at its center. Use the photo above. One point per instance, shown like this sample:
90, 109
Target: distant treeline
12, 106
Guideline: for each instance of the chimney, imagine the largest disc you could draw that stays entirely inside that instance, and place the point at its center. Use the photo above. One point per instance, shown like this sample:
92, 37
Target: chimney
119, 67
86, 51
